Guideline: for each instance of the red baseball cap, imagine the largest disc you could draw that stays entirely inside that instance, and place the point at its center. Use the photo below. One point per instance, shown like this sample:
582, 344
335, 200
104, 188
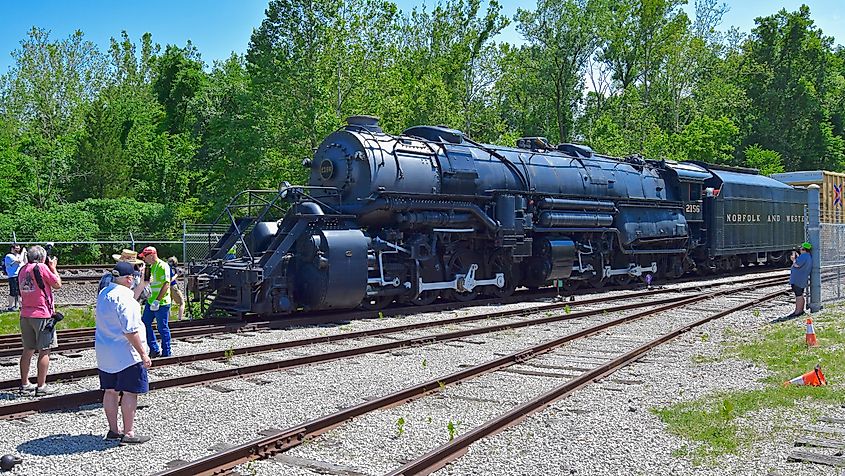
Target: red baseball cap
150, 250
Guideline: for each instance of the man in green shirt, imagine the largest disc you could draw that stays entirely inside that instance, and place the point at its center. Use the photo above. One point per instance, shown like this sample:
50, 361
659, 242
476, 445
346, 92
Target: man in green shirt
158, 304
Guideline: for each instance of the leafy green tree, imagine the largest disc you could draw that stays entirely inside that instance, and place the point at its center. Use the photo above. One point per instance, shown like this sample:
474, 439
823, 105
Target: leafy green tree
787, 70
14, 169
766, 161
561, 35
230, 151
44, 98
708, 140
178, 77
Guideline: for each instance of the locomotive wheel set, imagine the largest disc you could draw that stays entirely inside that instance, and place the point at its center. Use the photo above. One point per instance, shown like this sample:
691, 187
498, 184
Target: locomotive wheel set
430, 213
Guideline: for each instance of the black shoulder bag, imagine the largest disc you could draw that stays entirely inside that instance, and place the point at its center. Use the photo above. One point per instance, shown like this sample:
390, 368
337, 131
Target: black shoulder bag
56, 317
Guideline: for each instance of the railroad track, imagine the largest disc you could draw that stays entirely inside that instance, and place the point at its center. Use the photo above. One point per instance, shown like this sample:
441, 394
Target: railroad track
73, 400
277, 441
177, 360
82, 338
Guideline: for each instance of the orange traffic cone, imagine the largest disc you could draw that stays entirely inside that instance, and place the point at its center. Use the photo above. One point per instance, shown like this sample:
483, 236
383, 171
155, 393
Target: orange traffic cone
813, 378
811, 334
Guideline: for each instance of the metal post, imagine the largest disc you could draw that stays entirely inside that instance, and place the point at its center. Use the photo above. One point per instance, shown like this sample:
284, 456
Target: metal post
184, 243
813, 232
131, 241
14, 237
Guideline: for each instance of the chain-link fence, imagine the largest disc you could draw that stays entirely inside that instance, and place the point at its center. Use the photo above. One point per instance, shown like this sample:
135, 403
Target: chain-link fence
832, 255
99, 250
198, 239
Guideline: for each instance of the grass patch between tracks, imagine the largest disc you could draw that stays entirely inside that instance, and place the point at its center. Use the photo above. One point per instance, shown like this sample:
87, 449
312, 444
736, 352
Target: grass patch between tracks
74, 317
710, 423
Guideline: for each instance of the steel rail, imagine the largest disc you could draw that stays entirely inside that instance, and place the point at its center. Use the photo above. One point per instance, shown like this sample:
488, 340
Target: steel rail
281, 440
80, 332
86, 342
74, 400
10, 343
439, 457
175, 360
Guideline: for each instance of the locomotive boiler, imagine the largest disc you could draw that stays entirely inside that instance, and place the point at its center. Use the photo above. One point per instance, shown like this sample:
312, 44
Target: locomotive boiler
430, 214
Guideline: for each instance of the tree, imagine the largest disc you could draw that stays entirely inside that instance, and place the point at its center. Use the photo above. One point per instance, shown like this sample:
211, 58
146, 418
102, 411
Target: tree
230, 151
766, 161
788, 69
45, 94
561, 36
178, 77
708, 140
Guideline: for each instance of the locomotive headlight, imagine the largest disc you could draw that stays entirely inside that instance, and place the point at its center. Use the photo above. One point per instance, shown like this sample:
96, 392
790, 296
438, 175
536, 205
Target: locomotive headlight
326, 169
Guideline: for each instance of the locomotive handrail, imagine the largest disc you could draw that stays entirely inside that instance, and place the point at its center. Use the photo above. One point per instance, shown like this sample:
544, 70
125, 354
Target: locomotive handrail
301, 189
411, 204
523, 177
627, 251
232, 202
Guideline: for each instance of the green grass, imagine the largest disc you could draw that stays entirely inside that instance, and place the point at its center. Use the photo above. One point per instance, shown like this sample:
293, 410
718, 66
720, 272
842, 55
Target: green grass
74, 317
710, 423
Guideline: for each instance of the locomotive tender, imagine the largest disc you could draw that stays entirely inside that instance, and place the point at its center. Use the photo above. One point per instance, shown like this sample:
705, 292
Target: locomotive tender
430, 213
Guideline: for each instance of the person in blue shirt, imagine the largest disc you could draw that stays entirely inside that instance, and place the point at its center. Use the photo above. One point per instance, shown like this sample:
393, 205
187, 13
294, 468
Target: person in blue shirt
13, 263
799, 276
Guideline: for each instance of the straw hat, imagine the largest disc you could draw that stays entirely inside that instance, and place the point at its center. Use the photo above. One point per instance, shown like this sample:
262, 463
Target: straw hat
128, 256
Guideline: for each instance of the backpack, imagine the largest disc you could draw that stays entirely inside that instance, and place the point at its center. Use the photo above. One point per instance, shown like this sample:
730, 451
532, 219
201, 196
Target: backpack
3, 266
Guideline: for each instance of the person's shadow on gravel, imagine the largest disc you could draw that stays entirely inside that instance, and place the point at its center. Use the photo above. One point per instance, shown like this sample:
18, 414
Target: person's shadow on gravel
55, 445
11, 395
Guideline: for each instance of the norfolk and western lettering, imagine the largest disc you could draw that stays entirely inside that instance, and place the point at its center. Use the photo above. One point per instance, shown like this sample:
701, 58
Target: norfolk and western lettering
749, 218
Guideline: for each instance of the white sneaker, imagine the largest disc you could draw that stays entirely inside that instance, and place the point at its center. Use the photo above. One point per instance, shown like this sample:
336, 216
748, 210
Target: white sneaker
42, 391
29, 387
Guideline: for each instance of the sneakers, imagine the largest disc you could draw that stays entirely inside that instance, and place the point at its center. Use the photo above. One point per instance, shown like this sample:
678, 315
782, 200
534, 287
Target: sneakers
44, 391
111, 435
29, 387
134, 440
155, 354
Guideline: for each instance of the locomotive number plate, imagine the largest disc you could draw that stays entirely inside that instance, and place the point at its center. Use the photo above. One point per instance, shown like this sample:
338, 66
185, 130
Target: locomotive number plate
693, 208
326, 169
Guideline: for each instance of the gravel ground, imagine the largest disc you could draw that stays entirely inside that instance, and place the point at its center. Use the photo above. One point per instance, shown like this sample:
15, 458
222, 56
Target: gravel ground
605, 428
64, 442
75, 360
622, 437
68, 361
234, 411
74, 293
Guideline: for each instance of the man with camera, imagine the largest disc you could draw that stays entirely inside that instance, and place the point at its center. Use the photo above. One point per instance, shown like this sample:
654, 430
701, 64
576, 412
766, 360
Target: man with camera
12, 263
37, 281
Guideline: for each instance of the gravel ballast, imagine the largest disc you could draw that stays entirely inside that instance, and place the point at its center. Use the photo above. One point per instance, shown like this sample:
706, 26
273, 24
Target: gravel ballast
187, 423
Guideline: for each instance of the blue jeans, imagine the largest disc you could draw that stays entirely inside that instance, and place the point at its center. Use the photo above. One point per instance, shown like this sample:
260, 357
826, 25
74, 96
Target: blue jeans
161, 316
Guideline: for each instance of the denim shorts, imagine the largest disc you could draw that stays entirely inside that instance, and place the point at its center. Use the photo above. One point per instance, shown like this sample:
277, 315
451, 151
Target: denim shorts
14, 288
132, 379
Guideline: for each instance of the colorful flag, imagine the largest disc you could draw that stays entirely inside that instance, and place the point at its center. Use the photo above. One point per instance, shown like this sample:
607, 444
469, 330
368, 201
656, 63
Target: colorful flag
837, 196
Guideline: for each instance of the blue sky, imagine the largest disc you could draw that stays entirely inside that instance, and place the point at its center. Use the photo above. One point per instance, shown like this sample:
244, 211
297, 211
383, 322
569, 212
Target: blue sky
218, 27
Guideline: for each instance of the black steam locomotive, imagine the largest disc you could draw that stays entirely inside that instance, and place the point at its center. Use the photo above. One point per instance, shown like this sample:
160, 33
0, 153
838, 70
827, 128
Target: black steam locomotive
432, 214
